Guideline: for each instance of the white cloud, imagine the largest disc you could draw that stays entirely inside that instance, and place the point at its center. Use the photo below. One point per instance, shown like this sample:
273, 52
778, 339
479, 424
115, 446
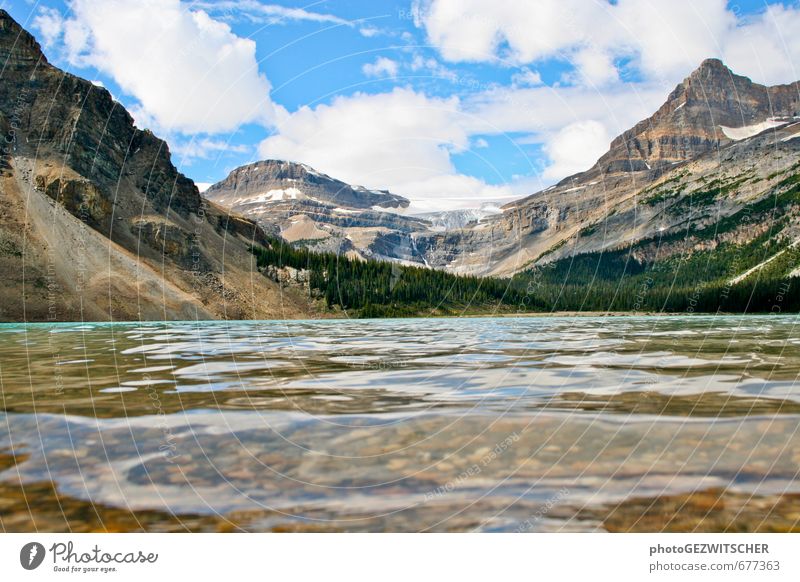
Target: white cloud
402, 140
420, 63
49, 23
382, 67
512, 30
255, 11
526, 78
545, 110
189, 72
395, 137
450, 191
662, 39
768, 47
574, 125
369, 31
405, 140
670, 39
595, 67
575, 148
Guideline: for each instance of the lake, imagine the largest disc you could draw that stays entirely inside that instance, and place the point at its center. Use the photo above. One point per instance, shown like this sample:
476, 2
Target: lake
486, 424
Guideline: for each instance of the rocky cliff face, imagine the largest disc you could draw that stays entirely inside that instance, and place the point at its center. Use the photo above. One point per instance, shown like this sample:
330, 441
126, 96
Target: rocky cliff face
96, 222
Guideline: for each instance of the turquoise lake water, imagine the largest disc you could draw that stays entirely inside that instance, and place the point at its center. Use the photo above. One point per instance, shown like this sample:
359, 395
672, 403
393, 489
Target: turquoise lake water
484, 424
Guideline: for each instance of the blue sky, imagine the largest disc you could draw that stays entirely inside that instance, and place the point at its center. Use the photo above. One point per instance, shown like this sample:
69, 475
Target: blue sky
450, 102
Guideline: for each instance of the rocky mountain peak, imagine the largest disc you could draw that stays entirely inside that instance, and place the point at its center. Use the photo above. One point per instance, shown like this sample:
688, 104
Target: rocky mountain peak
696, 119
18, 47
59, 114
711, 66
279, 180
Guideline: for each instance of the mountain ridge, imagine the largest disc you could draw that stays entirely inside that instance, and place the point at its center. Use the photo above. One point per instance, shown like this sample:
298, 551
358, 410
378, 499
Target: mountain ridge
322, 213
264, 175
686, 131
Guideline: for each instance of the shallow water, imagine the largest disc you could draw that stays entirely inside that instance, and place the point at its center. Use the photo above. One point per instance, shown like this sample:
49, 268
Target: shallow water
488, 424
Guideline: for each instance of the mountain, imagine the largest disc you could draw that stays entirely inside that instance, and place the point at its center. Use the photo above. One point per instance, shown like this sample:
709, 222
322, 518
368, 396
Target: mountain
685, 166
719, 142
96, 223
312, 209
276, 181
708, 110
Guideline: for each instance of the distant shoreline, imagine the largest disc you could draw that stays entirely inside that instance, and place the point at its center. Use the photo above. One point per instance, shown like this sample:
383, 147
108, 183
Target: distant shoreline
339, 317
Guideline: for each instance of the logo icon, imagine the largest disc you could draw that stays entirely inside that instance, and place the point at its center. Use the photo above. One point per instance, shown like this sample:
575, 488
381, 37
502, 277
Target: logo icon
31, 555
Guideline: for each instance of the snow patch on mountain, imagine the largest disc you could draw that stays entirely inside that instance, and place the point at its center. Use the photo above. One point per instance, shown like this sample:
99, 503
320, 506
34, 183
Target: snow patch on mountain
455, 219
739, 133
275, 195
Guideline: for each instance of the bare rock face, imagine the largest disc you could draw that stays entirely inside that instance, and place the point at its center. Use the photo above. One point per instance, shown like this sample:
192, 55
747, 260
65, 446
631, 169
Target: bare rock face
96, 222
690, 123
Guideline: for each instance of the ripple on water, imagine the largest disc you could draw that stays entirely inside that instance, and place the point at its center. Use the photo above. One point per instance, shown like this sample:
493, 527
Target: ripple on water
407, 424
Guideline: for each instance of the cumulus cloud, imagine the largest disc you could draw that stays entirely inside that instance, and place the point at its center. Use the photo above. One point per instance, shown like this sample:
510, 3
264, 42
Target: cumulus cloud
659, 38
595, 67
430, 65
188, 72
405, 140
512, 30
542, 111
49, 23
574, 125
402, 140
659, 41
393, 137
768, 46
382, 67
574, 148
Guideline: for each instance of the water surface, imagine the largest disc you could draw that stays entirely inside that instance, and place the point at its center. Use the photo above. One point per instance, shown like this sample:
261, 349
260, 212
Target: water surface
487, 424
